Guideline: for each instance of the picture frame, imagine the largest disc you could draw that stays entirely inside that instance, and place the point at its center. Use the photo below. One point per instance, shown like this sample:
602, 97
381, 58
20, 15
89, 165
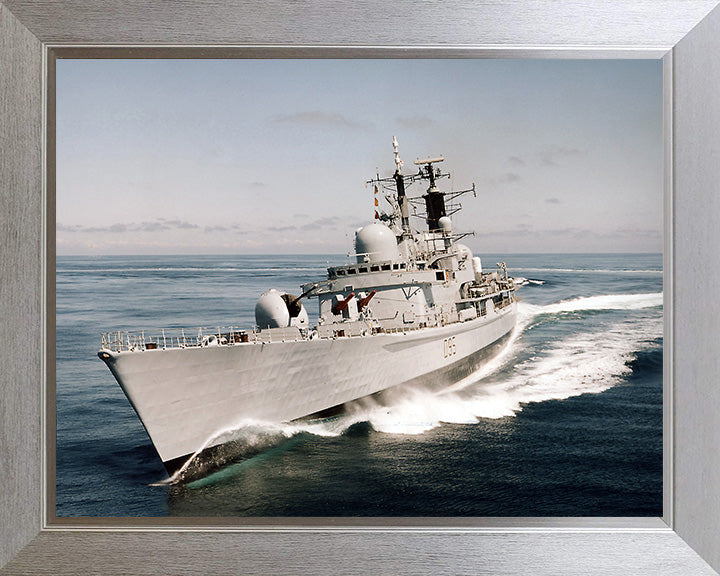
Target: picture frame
684, 541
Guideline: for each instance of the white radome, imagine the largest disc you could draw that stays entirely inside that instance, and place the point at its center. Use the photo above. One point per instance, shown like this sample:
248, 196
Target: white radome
445, 224
376, 243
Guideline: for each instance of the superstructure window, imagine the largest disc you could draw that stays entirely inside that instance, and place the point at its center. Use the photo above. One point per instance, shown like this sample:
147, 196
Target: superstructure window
363, 269
440, 275
374, 268
340, 272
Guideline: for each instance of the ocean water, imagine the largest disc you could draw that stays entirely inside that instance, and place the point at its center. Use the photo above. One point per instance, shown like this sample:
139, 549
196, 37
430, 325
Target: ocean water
566, 421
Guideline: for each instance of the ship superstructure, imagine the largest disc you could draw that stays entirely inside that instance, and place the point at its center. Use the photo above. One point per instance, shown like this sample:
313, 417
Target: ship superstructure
414, 307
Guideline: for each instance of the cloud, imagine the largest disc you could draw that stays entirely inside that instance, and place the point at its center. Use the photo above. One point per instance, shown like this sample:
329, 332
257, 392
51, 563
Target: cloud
215, 229
516, 160
523, 227
571, 231
318, 118
415, 122
280, 228
314, 225
553, 201
527, 230
158, 225
510, 177
78, 228
257, 184
506, 178
554, 155
320, 223
182, 224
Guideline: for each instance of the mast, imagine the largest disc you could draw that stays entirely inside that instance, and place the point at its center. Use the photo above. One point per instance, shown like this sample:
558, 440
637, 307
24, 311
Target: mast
400, 186
434, 199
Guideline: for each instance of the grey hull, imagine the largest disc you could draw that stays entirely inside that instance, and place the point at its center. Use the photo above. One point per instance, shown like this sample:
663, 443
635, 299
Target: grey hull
216, 456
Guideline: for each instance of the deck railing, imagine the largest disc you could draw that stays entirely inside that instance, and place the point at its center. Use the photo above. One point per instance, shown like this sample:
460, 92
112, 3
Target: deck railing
164, 338
177, 338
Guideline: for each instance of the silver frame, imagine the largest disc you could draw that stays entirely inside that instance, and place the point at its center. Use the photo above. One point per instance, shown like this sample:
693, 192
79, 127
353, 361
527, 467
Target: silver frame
31, 37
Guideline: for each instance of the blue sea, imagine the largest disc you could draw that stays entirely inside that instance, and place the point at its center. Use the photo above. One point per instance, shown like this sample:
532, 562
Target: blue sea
566, 421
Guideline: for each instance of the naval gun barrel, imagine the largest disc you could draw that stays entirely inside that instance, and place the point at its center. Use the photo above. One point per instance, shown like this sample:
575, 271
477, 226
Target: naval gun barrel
295, 299
364, 301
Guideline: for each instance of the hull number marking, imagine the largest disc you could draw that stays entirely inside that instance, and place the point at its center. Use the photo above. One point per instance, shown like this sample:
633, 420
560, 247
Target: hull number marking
449, 347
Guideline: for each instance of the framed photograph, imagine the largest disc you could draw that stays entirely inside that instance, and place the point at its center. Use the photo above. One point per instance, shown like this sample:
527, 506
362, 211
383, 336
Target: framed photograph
469, 358
665, 73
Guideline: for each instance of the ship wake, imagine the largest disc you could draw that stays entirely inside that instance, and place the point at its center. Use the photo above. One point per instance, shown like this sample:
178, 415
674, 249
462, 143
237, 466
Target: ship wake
584, 362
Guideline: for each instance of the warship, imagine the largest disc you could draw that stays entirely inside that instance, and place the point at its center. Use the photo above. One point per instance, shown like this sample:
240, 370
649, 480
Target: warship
411, 307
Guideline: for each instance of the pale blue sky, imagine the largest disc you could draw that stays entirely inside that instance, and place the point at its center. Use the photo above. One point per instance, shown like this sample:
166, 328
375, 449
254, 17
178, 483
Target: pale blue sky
271, 156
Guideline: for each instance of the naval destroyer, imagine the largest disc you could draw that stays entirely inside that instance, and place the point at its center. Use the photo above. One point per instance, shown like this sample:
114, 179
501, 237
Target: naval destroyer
414, 307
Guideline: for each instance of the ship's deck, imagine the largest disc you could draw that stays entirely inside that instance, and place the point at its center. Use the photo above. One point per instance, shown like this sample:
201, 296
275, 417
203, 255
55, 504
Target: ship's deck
165, 338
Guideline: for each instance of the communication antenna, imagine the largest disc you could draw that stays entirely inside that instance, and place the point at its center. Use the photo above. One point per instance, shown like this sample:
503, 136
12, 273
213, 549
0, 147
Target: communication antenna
400, 186
398, 162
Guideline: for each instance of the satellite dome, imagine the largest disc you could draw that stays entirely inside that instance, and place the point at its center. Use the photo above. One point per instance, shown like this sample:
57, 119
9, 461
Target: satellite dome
445, 224
375, 243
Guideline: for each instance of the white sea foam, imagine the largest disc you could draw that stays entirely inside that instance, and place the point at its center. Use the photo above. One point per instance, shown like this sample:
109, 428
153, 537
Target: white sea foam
606, 302
588, 271
582, 363
520, 281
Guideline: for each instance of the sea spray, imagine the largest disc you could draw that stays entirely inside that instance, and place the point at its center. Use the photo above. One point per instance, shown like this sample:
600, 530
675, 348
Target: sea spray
604, 302
244, 440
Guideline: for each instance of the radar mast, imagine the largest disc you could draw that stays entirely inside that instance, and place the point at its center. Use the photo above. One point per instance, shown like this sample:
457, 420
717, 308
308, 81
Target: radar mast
400, 186
434, 199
